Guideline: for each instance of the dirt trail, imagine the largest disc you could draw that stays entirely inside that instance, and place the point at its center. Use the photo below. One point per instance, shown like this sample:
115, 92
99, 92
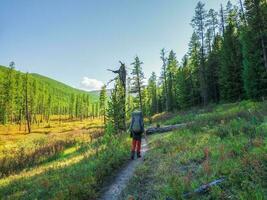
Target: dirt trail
122, 178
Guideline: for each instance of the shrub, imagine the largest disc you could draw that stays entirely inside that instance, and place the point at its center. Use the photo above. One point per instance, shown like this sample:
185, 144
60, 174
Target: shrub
23, 156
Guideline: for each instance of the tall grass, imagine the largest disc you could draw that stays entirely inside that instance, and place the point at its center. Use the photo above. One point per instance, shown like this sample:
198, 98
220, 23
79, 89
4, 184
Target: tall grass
224, 141
77, 173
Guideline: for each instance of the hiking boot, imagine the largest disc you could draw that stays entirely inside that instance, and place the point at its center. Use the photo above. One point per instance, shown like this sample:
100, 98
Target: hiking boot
139, 155
132, 155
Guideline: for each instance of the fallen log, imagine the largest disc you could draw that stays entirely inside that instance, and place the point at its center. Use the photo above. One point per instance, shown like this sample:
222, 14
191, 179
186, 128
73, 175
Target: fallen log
164, 129
204, 188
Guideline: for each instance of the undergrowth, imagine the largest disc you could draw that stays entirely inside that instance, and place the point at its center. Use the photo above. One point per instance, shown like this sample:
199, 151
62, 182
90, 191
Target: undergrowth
227, 141
78, 172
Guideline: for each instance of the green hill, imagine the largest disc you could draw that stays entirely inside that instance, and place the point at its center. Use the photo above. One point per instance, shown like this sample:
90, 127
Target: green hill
45, 96
51, 83
61, 86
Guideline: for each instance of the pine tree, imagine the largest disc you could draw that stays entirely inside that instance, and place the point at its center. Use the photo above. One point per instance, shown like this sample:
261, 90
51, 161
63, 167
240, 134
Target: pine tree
212, 22
184, 89
8, 92
231, 84
194, 63
138, 80
211, 25
152, 93
198, 23
222, 20
18, 101
171, 80
253, 39
103, 102
164, 78
115, 111
242, 12
129, 101
213, 69
26, 99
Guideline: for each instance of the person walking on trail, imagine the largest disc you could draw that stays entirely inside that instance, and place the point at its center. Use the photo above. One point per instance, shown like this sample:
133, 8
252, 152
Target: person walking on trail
136, 131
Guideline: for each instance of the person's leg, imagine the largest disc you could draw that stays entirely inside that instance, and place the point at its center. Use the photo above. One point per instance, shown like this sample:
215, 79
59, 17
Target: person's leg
133, 148
138, 148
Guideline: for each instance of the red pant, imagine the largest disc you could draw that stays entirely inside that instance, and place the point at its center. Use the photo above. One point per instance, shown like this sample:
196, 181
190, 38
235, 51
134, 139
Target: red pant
136, 144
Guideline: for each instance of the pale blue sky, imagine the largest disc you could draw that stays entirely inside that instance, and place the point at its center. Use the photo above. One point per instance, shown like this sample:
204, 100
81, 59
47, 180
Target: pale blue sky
69, 40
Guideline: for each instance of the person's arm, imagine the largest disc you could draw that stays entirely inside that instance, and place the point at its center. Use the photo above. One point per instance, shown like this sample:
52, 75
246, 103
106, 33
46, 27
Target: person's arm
130, 127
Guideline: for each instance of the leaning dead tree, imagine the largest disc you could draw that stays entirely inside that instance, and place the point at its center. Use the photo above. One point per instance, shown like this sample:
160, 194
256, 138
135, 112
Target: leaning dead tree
121, 75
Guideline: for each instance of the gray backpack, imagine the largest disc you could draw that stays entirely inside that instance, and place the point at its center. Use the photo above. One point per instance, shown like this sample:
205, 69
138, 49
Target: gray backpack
137, 123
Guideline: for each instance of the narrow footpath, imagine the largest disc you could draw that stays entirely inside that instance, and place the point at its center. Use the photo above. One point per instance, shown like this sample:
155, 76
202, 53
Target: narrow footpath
121, 180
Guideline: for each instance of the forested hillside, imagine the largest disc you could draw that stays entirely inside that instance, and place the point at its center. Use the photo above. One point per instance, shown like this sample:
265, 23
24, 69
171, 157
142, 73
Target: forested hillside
35, 98
226, 62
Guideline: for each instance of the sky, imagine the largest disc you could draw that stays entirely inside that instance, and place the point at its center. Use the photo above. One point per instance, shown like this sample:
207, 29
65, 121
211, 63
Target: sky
76, 41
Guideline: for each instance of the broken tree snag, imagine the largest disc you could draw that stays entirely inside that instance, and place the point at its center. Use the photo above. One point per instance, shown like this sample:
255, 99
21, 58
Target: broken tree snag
164, 129
204, 188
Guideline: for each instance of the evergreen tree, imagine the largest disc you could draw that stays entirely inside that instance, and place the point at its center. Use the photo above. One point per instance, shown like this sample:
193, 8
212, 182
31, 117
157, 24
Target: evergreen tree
198, 23
138, 80
213, 69
7, 96
165, 98
115, 111
253, 39
212, 22
222, 20
231, 85
103, 102
194, 63
171, 80
129, 101
184, 87
26, 99
152, 93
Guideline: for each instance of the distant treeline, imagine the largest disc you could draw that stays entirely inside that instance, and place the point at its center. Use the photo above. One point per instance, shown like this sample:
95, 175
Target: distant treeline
226, 62
35, 98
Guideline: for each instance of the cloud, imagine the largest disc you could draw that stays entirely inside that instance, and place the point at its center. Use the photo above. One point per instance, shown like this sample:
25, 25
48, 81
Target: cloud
90, 84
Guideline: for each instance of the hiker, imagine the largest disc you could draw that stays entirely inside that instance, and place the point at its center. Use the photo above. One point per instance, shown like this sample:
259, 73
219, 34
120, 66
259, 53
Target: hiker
136, 131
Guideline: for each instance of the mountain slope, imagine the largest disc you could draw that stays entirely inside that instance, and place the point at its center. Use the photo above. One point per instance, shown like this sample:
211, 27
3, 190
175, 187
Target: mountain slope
50, 83
45, 97
61, 86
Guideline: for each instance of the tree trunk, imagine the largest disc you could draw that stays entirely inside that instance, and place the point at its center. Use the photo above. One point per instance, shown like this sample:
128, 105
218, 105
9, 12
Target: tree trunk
20, 119
164, 129
264, 51
26, 106
222, 20
124, 108
203, 73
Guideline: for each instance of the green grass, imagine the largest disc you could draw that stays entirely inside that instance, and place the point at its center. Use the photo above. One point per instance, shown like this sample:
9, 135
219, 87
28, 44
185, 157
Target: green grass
77, 172
224, 141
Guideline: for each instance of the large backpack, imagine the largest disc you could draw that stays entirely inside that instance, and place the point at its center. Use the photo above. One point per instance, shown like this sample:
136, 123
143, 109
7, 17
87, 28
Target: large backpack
137, 122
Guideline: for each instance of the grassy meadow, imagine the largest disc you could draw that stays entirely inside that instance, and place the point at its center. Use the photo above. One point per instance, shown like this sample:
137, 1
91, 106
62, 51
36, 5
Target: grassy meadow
225, 141
12, 135
73, 159
60, 160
